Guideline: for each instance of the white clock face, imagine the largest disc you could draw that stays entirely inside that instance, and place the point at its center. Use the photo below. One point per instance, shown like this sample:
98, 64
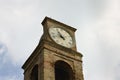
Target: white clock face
62, 37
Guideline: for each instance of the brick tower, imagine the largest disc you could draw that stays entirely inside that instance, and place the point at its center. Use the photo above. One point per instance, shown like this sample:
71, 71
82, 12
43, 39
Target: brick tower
56, 56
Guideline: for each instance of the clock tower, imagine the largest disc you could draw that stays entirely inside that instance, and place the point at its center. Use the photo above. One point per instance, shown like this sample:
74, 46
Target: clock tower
56, 56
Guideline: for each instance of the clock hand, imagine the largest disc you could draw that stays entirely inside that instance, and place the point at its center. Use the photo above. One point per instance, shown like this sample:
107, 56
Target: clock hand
61, 35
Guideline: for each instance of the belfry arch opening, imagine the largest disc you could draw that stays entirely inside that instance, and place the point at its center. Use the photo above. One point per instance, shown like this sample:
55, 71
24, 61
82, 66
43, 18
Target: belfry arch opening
63, 71
34, 74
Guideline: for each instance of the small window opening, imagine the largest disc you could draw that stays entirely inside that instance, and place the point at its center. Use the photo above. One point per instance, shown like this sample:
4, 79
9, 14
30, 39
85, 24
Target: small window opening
34, 74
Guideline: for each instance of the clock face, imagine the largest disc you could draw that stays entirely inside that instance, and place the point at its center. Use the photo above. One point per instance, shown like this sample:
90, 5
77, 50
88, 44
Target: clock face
61, 37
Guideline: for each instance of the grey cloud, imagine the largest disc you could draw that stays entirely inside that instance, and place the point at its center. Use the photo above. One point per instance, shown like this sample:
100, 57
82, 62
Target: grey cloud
117, 72
7, 69
2, 48
20, 20
3, 52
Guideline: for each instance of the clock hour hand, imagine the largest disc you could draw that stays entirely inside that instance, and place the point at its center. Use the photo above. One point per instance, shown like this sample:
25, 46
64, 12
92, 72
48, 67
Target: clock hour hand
61, 35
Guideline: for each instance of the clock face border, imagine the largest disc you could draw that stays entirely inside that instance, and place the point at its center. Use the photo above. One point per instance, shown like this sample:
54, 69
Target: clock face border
61, 36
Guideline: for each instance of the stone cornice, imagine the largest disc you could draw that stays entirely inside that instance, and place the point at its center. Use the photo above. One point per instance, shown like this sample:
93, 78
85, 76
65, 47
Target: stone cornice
50, 19
44, 44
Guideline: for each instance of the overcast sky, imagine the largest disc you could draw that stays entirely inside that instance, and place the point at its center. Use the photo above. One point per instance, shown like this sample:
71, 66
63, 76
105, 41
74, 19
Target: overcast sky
97, 36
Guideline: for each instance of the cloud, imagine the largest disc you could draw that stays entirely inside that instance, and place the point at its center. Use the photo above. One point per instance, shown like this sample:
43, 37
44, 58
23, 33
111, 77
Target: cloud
117, 72
3, 54
8, 71
97, 37
10, 78
17, 21
99, 43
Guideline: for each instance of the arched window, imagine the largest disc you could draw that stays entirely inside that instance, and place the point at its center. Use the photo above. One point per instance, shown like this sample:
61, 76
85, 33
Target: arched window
63, 71
34, 74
